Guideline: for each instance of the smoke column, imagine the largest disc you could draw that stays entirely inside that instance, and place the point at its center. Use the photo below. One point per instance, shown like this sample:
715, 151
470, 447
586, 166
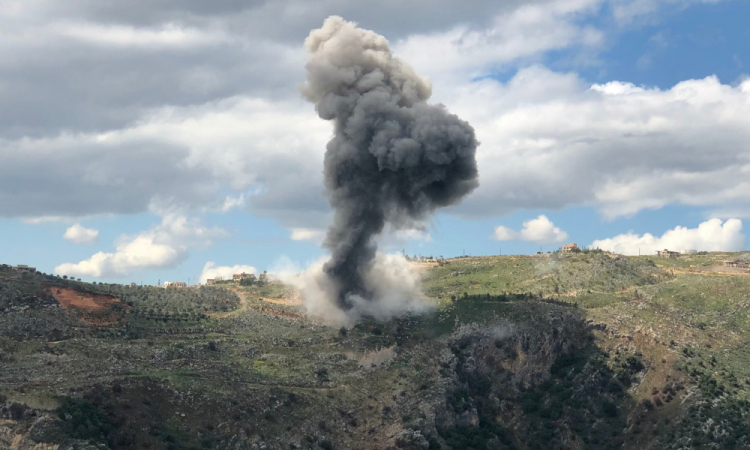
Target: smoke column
393, 158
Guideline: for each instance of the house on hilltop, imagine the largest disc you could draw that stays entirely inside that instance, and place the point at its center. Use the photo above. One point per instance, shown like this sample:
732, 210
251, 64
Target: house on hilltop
242, 276
174, 284
667, 253
24, 268
570, 248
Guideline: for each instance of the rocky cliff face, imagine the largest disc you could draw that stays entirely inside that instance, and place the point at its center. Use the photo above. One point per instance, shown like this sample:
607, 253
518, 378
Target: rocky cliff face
524, 385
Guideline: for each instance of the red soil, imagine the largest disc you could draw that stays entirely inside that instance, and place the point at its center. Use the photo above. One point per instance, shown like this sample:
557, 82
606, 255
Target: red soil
95, 309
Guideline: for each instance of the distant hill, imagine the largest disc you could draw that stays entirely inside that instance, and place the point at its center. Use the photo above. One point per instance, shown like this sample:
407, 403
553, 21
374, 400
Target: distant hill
585, 350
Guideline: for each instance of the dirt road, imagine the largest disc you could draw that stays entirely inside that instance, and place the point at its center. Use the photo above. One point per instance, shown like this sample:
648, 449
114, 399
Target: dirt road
243, 307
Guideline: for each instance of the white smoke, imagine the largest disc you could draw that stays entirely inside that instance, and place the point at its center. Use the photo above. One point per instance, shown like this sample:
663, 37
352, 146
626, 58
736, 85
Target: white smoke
394, 283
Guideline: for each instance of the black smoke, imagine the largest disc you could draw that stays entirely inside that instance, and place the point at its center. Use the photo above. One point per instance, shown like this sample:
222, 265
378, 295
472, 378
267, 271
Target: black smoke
394, 158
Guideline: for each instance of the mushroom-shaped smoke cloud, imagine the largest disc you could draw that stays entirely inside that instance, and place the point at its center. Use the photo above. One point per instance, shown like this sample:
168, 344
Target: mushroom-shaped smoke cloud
393, 158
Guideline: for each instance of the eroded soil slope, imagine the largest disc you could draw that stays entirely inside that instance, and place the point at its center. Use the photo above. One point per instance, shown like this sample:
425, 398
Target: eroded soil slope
94, 309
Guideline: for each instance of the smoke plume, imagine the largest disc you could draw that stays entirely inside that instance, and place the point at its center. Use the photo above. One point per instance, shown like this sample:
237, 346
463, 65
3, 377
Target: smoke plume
393, 158
392, 281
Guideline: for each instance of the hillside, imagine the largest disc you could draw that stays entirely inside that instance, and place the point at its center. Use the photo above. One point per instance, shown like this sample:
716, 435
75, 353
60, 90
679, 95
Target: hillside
581, 351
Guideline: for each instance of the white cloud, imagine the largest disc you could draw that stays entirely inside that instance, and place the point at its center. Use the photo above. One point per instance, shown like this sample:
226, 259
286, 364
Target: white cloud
162, 246
179, 156
81, 235
504, 234
211, 270
169, 35
710, 235
217, 109
466, 52
307, 234
550, 140
540, 230
233, 202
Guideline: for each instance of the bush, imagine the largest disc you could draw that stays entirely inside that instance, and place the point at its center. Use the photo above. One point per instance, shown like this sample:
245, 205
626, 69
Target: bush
83, 420
17, 410
609, 409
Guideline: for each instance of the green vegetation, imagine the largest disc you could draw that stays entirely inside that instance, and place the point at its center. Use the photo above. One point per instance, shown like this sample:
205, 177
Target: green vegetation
150, 301
561, 351
82, 420
556, 274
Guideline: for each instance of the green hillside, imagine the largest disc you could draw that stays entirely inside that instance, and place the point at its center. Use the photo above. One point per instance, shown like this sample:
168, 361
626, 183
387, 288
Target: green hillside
581, 351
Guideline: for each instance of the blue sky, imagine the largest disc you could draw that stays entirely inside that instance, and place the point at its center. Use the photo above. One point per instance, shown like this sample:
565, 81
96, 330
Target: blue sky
223, 142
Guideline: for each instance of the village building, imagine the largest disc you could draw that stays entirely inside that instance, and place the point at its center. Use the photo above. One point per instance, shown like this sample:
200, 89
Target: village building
569, 248
24, 268
242, 276
667, 253
174, 284
133, 285
210, 281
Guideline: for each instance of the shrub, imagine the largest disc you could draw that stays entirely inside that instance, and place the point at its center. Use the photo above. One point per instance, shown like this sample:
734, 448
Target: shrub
17, 410
83, 420
609, 409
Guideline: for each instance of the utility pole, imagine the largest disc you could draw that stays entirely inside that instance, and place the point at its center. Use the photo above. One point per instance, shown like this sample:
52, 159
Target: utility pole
188, 281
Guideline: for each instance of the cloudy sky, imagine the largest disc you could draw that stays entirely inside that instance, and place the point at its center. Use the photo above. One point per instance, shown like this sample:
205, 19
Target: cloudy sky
165, 140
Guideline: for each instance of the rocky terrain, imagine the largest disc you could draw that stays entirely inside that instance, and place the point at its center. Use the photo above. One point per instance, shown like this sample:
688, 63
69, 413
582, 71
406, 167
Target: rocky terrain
581, 351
